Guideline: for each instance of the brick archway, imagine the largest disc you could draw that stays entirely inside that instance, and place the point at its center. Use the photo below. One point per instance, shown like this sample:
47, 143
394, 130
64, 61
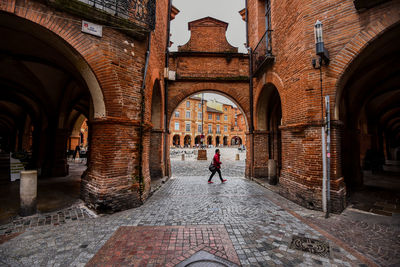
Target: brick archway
236, 92
343, 61
82, 52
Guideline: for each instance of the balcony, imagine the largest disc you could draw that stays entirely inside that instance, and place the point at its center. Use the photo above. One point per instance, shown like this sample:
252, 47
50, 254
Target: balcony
136, 16
262, 54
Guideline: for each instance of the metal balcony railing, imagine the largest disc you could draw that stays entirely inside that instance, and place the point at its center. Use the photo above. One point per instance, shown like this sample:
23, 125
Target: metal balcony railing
142, 11
262, 54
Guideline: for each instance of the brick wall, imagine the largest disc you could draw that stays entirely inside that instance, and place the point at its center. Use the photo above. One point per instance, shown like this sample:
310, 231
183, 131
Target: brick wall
346, 32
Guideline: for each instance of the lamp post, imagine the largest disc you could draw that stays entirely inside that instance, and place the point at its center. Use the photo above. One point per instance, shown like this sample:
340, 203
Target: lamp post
323, 59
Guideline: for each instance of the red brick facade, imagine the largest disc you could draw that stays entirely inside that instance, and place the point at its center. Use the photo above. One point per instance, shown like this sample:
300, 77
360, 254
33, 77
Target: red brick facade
102, 78
223, 124
348, 32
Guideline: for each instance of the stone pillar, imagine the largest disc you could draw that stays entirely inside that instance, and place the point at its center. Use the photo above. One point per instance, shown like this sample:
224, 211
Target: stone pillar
272, 175
260, 154
28, 193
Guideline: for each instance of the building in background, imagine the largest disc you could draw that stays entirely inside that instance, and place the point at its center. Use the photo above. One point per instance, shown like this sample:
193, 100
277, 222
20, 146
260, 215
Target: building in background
224, 124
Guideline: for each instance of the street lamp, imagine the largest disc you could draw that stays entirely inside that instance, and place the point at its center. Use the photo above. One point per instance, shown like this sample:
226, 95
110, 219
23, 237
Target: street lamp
320, 49
323, 59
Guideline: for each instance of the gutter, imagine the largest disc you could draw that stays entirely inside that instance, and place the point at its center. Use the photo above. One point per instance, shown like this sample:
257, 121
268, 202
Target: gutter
166, 141
251, 126
142, 115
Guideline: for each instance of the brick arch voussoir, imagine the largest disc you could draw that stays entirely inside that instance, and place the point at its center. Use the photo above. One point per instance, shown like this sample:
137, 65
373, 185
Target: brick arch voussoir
274, 79
85, 47
353, 48
232, 92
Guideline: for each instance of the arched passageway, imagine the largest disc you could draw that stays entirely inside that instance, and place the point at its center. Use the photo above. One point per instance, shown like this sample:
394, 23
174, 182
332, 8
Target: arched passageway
197, 140
46, 96
176, 140
236, 141
217, 141
156, 164
367, 103
209, 140
225, 141
187, 141
267, 137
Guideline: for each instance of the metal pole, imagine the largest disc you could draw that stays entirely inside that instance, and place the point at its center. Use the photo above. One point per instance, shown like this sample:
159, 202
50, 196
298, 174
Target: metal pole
323, 169
202, 120
166, 140
328, 155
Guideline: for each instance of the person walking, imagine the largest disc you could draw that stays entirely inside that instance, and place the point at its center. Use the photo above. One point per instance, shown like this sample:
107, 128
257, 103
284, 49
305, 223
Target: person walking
77, 149
217, 164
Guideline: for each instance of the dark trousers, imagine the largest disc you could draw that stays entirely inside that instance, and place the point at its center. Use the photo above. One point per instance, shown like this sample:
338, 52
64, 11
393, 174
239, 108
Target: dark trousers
212, 174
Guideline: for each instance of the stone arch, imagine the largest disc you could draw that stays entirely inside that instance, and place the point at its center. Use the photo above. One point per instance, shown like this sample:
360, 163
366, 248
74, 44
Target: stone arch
81, 52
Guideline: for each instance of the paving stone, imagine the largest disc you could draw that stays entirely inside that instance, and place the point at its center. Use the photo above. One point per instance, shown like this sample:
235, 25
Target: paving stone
259, 230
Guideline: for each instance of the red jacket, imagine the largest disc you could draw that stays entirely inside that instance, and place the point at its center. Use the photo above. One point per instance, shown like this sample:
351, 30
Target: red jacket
216, 161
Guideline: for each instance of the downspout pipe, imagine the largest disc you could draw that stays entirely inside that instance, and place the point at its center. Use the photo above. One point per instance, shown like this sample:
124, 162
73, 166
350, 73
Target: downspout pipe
166, 89
142, 113
251, 126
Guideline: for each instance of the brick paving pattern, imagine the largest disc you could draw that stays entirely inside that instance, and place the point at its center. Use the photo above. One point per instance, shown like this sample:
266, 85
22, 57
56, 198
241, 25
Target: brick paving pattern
163, 245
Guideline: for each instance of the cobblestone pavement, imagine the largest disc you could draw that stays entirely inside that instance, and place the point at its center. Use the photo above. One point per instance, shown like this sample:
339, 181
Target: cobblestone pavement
261, 231
262, 227
193, 167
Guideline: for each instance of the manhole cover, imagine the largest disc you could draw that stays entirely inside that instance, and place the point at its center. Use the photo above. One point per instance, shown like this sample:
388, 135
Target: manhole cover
310, 245
205, 259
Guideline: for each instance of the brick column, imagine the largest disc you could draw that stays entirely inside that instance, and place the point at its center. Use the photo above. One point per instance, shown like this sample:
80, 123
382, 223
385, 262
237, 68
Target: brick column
249, 148
260, 154
301, 177
60, 166
156, 162
112, 182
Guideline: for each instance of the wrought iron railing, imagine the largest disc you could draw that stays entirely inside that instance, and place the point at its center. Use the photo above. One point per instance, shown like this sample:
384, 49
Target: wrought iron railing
263, 51
143, 11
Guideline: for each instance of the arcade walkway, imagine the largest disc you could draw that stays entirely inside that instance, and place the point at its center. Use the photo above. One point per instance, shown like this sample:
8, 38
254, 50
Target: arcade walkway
231, 224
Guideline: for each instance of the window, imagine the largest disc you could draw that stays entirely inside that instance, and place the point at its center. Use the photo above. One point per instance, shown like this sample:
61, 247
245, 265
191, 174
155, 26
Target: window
199, 115
188, 104
187, 114
199, 105
188, 127
176, 126
218, 129
226, 117
210, 116
177, 114
226, 109
209, 128
225, 128
218, 117
199, 128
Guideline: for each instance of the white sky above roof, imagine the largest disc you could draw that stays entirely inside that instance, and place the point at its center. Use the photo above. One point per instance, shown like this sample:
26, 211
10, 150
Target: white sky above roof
225, 10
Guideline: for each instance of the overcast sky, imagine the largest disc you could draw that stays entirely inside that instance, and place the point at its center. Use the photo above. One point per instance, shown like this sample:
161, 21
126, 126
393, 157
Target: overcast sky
225, 10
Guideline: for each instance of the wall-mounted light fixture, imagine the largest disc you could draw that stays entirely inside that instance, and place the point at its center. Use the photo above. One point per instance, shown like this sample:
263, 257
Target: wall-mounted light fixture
320, 49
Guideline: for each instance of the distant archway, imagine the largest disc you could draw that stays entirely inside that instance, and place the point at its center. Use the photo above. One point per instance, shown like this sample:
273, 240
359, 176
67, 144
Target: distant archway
187, 141
236, 141
217, 141
209, 140
176, 140
225, 141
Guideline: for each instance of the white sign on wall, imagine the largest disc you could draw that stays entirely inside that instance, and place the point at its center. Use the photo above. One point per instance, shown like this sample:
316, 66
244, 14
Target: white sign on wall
91, 28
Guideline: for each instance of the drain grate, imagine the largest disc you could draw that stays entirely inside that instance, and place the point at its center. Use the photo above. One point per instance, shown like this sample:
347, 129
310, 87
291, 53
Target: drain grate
310, 245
